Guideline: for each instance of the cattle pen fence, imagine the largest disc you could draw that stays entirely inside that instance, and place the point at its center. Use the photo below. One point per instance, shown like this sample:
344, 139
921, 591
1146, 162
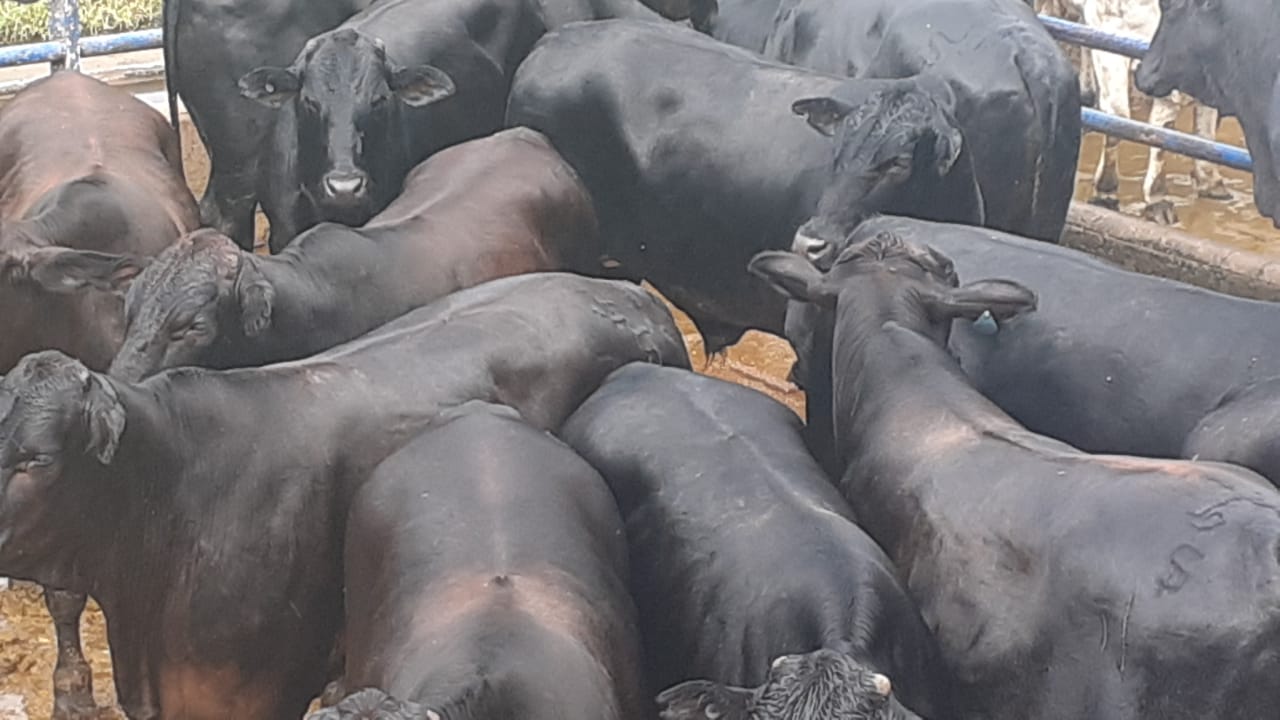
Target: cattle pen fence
66, 47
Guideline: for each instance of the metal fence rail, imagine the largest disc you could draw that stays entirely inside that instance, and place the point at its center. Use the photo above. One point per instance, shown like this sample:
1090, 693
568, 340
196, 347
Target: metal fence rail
1182, 143
67, 47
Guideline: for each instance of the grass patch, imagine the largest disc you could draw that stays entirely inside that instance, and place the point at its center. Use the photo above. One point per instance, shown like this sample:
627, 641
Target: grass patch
30, 23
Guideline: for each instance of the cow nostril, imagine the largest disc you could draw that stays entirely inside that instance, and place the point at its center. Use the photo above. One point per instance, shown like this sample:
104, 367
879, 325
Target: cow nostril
810, 247
344, 183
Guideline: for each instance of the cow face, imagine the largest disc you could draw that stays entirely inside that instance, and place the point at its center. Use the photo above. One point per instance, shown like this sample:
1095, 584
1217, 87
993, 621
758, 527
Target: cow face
878, 146
346, 96
201, 289
886, 279
821, 685
1192, 51
58, 421
374, 704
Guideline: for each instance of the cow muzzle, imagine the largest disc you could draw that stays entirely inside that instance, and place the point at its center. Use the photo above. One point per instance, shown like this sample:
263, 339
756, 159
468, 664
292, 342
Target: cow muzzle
346, 186
815, 249
1150, 76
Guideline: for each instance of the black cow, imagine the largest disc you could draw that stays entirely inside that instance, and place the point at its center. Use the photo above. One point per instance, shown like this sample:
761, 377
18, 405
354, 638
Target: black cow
695, 160
502, 205
1059, 584
365, 102
486, 578
208, 46
1113, 361
742, 551
1017, 96
1223, 53
1242, 429
161, 502
90, 185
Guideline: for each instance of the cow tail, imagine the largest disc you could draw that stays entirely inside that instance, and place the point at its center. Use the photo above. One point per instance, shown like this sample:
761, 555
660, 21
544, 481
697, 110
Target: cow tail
1054, 93
169, 20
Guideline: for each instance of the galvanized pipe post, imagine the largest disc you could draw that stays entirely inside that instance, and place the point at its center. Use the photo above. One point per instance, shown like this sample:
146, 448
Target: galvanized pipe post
64, 28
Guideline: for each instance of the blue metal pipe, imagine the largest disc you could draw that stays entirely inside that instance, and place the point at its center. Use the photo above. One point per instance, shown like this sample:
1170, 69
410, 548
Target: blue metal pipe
1078, 34
1171, 140
47, 52
64, 27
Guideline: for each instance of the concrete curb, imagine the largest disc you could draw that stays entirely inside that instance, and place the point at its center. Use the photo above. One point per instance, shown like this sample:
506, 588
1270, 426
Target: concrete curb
1148, 248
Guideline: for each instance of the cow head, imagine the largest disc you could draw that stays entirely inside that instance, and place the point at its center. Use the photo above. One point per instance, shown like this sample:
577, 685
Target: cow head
901, 132
346, 96
1193, 49
821, 685
1219, 51
58, 422
374, 704
200, 290
886, 279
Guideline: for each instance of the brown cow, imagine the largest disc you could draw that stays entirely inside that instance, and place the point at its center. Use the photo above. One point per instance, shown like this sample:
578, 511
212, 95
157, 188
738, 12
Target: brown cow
90, 183
90, 179
502, 205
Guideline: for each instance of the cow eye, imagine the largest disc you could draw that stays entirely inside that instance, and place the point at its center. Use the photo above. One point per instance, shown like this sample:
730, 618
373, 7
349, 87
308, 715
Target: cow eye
33, 462
199, 327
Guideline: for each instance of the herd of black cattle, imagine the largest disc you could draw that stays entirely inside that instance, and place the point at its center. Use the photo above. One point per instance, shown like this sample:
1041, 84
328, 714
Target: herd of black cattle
442, 452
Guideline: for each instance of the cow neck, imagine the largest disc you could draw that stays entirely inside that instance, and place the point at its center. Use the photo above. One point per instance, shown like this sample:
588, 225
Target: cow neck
126, 513
323, 296
900, 401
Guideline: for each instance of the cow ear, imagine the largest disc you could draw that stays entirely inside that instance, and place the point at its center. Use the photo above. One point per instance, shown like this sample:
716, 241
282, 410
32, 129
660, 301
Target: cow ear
704, 700
792, 276
104, 418
255, 295
1004, 299
63, 270
947, 144
270, 86
421, 85
823, 113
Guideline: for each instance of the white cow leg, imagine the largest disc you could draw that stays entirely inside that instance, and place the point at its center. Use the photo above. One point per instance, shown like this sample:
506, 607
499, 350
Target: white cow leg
1155, 193
1112, 74
1206, 176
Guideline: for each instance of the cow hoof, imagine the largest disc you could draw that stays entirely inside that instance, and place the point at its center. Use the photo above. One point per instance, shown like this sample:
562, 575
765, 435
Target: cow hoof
1216, 191
1089, 98
1109, 202
75, 708
1161, 213
333, 694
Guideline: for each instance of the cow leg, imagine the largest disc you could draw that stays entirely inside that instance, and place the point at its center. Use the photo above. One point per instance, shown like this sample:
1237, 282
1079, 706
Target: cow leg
135, 690
336, 689
1112, 72
1206, 176
72, 677
228, 204
1088, 81
1158, 208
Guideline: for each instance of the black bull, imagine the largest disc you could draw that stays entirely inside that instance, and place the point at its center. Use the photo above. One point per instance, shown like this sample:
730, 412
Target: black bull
167, 480
492, 539
695, 159
1112, 361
